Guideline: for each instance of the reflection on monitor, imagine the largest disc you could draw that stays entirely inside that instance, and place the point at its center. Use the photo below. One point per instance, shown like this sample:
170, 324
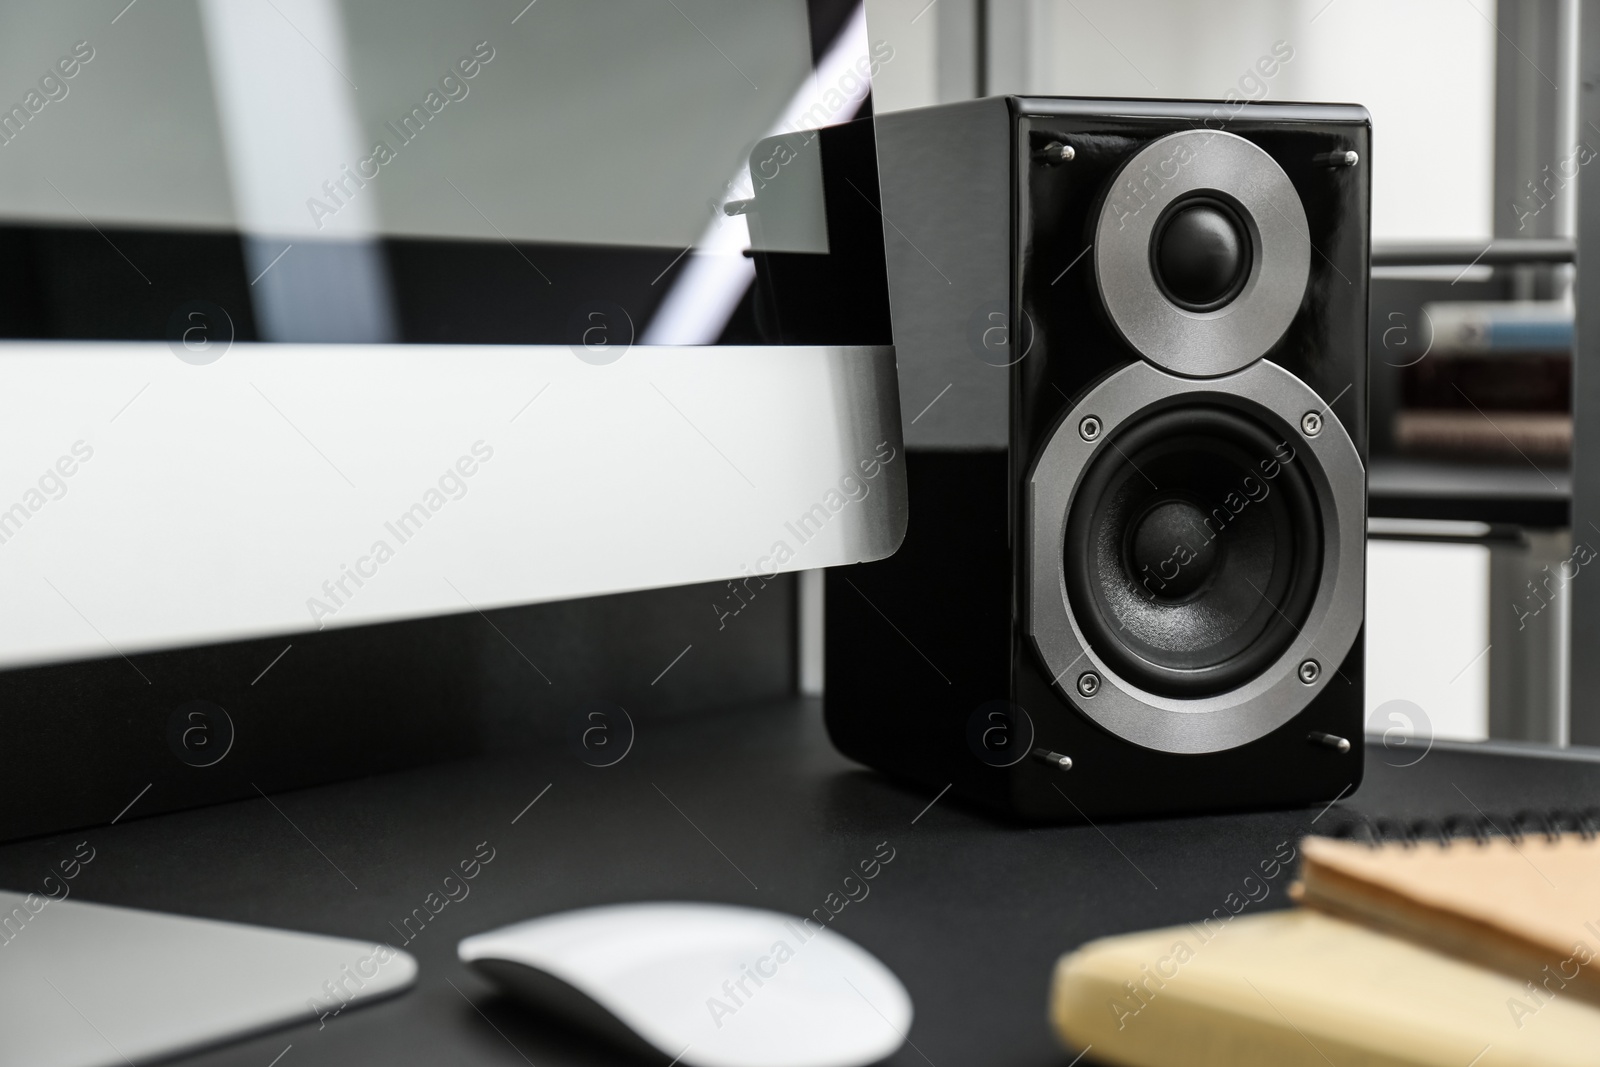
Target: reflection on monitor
372, 171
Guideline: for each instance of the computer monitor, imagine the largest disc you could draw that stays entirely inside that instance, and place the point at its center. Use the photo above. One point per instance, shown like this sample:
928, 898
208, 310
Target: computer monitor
319, 314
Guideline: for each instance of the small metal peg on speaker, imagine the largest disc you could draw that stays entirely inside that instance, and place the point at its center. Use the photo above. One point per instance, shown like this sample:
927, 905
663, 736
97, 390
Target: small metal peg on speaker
1055, 152
1336, 159
1088, 683
1311, 423
1333, 741
1055, 759
1310, 671
1089, 428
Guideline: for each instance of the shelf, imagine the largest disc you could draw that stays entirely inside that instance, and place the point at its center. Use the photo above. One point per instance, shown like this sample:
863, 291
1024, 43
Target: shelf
1432, 489
1502, 252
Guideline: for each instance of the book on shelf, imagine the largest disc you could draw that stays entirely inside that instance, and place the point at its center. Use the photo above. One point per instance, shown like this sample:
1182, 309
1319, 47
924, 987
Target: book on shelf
1466, 327
1494, 436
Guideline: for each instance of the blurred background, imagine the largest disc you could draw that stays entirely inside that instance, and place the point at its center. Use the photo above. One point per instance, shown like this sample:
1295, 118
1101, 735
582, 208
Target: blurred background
1476, 150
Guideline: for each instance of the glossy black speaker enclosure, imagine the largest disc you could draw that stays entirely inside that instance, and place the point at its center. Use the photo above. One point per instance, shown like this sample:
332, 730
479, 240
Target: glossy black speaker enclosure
923, 647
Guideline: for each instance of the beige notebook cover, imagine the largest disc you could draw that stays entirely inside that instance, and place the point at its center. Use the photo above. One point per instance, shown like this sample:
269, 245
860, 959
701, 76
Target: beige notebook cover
1303, 989
1530, 908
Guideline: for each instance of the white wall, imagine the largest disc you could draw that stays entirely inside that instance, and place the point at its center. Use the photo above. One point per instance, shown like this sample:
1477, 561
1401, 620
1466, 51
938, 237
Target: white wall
910, 79
1427, 629
1424, 68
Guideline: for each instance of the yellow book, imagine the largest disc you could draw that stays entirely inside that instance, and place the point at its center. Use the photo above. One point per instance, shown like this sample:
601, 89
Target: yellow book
1303, 989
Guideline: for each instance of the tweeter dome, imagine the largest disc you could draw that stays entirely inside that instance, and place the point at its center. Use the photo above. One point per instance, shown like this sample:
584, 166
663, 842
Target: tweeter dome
1132, 349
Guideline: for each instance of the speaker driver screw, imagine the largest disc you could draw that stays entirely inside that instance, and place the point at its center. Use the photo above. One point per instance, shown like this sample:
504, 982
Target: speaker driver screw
1339, 744
1055, 152
1346, 158
1088, 683
1089, 430
1310, 671
1311, 423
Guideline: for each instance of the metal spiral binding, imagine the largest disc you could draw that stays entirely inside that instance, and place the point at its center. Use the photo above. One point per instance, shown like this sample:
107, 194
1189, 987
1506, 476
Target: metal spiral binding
1481, 827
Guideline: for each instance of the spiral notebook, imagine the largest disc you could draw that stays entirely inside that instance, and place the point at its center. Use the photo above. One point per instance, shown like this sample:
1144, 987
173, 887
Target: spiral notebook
1520, 893
1469, 940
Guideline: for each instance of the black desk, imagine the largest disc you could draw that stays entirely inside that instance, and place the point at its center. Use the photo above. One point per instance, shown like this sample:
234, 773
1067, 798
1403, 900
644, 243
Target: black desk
970, 913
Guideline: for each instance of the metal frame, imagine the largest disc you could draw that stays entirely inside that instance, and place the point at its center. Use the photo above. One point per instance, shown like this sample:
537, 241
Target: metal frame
1584, 664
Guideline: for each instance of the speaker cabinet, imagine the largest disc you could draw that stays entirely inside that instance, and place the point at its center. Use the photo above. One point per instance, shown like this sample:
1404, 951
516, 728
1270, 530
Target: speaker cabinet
1132, 339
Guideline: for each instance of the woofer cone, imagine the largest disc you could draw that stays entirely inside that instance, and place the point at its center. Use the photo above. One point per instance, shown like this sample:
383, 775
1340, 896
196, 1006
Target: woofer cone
1193, 549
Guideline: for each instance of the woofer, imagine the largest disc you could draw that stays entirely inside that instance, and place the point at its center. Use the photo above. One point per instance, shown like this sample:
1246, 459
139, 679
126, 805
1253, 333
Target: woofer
1201, 651
1193, 549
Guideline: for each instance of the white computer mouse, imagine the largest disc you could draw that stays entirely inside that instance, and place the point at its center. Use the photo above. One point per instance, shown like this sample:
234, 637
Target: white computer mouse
710, 984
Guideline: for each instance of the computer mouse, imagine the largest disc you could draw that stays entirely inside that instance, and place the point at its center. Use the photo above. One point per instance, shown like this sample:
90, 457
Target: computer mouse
708, 985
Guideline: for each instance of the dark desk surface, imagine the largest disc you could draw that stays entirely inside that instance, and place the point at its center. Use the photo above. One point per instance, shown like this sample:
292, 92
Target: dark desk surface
971, 913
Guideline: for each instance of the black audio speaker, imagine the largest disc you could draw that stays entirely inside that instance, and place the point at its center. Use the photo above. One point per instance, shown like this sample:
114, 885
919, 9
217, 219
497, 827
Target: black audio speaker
1132, 339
